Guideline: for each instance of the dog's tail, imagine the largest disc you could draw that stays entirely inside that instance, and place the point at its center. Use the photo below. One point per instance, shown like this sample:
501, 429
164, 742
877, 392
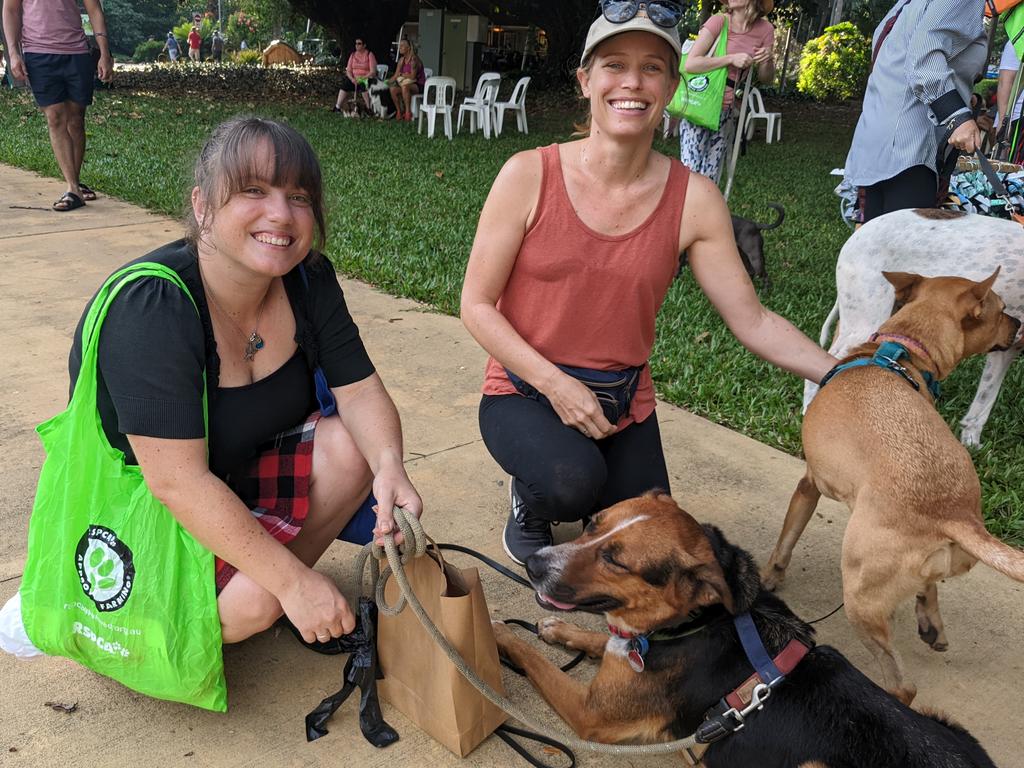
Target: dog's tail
779, 210
979, 543
826, 329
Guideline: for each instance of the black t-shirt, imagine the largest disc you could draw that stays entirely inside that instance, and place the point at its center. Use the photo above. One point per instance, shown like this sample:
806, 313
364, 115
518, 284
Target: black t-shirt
155, 347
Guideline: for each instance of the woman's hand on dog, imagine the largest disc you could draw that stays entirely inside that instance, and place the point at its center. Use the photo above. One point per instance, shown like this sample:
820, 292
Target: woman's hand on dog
577, 407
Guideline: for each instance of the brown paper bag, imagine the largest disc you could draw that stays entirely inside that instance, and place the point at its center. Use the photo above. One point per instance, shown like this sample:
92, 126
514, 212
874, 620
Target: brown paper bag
419, 680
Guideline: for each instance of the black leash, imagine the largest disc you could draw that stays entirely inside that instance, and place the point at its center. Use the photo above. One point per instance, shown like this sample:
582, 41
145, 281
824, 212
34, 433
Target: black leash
487, 561
505, 732
827, 615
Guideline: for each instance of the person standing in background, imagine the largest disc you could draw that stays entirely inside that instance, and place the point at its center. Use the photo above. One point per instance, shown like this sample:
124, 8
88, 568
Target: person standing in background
925, 55
217, 46
48, 46
195, 42
172, 48
1007, 117
748, 43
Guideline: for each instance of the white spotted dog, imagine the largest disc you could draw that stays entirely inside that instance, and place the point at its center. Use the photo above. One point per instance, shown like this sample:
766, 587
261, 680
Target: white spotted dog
929, 242
377, 90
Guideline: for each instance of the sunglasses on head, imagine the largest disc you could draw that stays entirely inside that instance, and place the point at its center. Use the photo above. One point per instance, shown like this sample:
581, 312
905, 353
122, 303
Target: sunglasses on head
662, 12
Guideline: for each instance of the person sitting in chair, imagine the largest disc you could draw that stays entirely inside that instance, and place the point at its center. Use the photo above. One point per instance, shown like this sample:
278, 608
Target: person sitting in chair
361, 65
408, 80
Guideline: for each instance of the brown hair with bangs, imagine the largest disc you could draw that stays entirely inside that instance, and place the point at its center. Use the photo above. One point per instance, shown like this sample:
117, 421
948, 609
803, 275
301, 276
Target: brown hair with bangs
231, 158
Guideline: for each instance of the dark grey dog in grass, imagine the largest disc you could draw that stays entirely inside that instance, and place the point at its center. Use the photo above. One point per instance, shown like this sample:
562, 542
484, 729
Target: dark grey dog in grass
750, 243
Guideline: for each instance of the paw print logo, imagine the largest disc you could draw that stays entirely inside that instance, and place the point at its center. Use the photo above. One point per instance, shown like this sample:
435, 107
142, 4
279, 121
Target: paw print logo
698, 84
105, 568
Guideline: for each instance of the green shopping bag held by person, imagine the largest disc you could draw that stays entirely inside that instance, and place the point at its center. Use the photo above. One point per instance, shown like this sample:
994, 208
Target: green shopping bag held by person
699, 97
112, 579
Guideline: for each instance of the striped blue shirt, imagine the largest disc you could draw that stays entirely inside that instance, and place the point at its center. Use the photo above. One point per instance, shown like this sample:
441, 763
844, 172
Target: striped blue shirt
922, 76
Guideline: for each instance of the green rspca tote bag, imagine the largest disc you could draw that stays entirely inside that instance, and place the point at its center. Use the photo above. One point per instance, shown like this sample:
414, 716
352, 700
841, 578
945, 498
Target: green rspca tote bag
698, 98
112, 579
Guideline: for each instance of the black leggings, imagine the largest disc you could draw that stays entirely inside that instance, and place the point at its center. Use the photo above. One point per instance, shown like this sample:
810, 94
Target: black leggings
916, 187
562, 475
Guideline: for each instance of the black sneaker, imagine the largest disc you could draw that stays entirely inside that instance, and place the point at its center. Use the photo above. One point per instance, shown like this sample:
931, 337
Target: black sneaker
524, 532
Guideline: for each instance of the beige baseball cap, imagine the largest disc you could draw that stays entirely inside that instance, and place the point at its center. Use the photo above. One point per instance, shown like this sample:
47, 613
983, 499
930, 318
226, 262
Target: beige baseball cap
602, 29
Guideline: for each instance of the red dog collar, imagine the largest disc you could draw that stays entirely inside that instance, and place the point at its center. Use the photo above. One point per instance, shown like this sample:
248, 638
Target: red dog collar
786, 661
620, 632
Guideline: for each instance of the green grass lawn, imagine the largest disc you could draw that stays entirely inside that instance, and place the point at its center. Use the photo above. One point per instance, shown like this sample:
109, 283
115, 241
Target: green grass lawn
403, 212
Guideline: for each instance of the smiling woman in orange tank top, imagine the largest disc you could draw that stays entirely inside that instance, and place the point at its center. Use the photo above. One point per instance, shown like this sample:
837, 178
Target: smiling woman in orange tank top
576, 248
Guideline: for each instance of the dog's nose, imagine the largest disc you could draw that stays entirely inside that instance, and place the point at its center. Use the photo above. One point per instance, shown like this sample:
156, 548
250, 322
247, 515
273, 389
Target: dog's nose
535, 566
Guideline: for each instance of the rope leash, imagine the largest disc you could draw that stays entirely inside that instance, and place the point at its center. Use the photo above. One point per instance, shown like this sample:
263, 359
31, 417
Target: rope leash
416, 546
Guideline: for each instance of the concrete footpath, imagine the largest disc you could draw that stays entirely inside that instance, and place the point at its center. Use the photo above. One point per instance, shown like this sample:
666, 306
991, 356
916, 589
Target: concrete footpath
53, 262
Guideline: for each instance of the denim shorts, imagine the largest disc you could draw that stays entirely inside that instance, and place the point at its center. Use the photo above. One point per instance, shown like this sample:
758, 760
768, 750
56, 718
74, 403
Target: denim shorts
59, 77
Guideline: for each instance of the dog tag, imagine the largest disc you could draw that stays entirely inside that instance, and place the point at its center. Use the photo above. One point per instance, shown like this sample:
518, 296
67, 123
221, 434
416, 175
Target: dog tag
636, 661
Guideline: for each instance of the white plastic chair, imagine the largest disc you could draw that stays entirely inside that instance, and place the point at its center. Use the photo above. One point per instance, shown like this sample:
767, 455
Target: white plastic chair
516, 103
481, 104
756, 111
438, 99
382, 71
417, 98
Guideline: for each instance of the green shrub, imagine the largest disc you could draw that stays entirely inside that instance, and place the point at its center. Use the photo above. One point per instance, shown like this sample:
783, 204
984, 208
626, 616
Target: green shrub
984, 87
248, 56
279, 83
147, 51
834, 67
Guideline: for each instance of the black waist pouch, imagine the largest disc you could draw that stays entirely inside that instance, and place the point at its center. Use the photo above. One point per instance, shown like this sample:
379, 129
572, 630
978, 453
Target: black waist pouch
614, 389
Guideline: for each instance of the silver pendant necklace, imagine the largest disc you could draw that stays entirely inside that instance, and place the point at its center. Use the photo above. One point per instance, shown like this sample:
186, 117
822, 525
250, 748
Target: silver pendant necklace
254, 342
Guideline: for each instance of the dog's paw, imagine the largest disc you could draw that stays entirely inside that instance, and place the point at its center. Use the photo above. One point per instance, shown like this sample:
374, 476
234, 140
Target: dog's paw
772, 577
970, 435
552, 630
504, 635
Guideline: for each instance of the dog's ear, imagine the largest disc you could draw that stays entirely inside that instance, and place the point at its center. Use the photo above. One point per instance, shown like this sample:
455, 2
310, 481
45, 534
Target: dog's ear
904, 283
711, 588
977, 294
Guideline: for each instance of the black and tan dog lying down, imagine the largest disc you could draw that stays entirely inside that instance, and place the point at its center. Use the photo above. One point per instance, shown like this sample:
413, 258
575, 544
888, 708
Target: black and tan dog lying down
677, 597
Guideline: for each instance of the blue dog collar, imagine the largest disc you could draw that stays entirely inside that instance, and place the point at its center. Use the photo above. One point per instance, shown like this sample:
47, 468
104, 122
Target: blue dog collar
887, 356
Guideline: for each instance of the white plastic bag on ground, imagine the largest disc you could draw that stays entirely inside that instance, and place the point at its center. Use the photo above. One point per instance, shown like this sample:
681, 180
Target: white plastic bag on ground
12, 631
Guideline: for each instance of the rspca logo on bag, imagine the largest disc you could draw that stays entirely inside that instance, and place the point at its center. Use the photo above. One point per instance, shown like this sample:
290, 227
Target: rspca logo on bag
698, 84
105, 568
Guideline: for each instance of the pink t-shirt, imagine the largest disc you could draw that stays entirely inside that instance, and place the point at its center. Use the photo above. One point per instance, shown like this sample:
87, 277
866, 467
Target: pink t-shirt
52, 26
362, 64
760, 35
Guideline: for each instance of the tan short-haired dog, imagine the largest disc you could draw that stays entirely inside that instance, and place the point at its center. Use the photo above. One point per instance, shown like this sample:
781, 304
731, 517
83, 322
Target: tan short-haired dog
873, 440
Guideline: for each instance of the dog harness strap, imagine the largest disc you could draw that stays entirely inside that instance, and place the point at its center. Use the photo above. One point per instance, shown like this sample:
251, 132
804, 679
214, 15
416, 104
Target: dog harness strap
785, 662
754, 648
904, 341
887, 356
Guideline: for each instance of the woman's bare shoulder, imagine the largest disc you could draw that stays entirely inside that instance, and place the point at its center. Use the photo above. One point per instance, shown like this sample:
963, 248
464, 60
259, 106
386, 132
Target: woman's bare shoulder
523, 168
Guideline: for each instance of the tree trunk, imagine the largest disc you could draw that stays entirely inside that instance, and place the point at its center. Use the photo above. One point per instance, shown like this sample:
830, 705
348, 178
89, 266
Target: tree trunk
837, 13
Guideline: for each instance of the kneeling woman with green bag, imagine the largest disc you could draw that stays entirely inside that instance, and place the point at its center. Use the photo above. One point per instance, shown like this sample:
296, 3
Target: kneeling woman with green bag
749, 39
226, 368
